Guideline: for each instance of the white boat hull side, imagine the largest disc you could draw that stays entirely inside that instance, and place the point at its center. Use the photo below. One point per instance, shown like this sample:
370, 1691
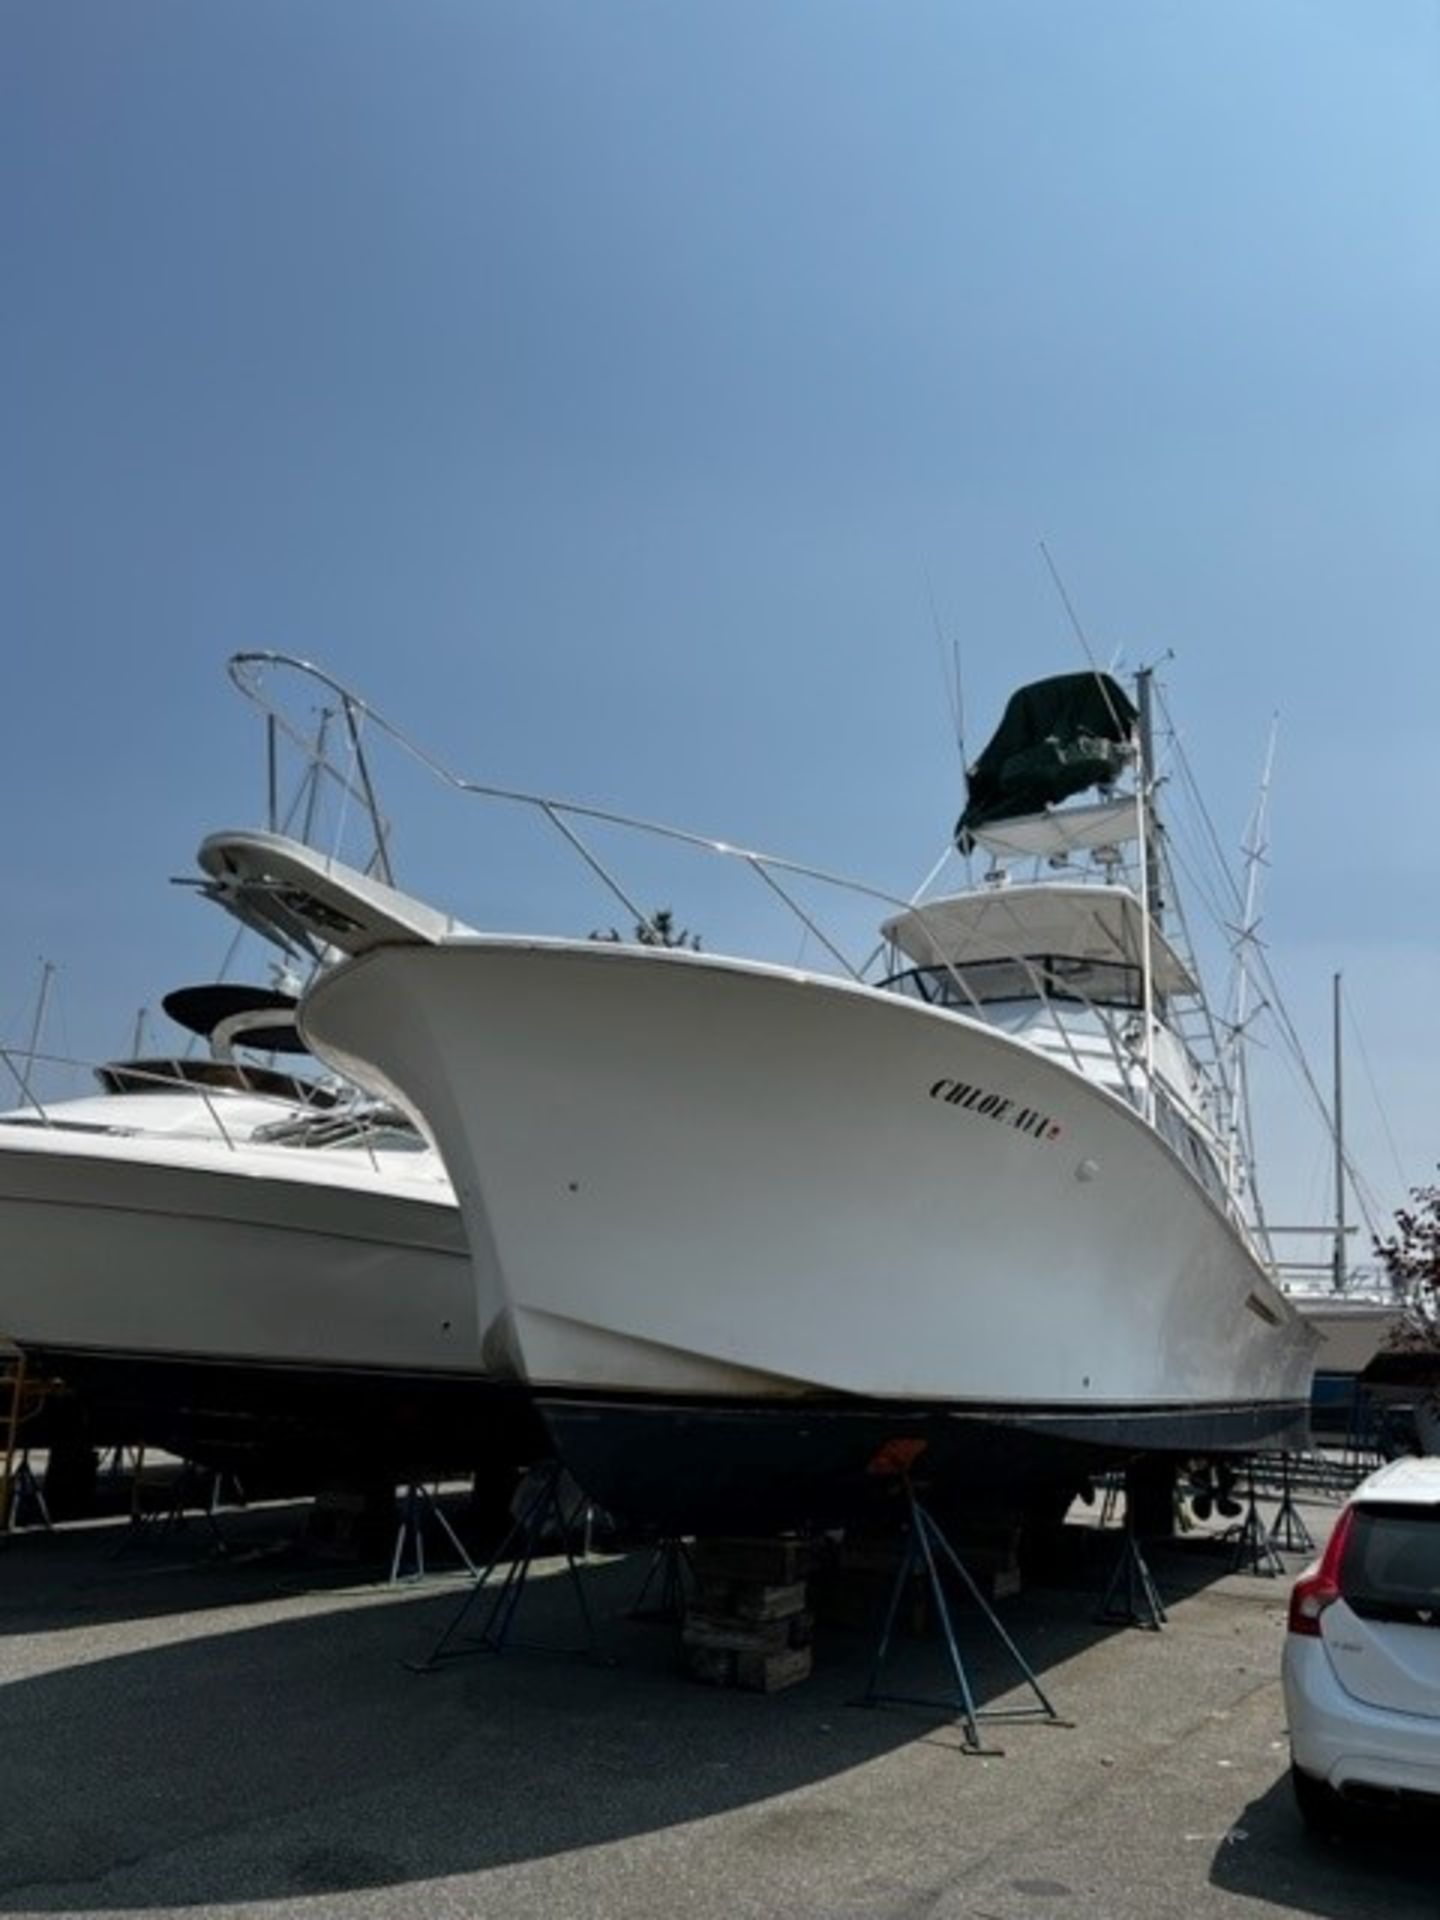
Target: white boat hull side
705, 1177
1354, 1331
190, 1249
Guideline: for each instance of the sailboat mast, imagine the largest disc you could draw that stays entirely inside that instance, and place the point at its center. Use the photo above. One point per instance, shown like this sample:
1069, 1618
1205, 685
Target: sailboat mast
1146, 730
1337, 1275
1149, 881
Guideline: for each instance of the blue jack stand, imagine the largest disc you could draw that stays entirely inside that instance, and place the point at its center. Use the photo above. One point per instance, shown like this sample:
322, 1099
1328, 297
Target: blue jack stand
923, 1542
542, 1511
1288, 1529
194, 1490
670, 1566
1132, 1598
23, 1491
408, 1560
1254, 1552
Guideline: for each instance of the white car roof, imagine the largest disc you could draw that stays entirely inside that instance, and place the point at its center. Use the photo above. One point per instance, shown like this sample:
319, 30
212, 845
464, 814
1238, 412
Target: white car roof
1413, 1481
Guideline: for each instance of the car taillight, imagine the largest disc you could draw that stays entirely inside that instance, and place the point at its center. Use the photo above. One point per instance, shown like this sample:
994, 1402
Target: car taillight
1314, 1592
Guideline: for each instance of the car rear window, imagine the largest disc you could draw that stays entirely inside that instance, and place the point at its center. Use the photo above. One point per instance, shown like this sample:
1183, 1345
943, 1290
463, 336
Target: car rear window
1391, 1568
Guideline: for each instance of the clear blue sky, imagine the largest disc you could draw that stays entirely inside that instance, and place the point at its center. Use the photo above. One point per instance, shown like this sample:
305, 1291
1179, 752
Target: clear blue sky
603, 388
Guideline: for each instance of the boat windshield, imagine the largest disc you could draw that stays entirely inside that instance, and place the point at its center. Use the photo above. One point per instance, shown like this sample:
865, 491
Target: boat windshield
224, 1076
1035, 977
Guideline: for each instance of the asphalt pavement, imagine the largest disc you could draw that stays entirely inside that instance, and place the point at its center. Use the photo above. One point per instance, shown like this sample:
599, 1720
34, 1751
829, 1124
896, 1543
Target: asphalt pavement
246, 1734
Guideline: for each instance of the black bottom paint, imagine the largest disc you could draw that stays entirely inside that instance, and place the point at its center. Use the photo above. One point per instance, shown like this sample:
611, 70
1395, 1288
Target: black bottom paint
298, 1425
711, 1468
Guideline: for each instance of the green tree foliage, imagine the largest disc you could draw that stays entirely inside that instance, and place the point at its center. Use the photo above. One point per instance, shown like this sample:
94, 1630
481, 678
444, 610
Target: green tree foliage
1410, 1260
659, 931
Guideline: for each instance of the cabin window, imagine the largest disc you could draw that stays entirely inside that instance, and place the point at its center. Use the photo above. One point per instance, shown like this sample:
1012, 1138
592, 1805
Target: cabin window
1100, 983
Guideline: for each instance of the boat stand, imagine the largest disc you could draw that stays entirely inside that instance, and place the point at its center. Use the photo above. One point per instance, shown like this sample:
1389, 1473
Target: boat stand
22, 1399
1288, 1530
1131, 1598
19, 1489
923, 1541
194, 1490
671, 1566
542, 1511
1114, 1486
407, 1562
1253, 1551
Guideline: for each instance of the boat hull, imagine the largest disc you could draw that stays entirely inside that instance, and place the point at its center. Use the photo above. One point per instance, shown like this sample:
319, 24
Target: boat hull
1354, 1330
295, 1426
742, 1218
240, 1304
735, 1466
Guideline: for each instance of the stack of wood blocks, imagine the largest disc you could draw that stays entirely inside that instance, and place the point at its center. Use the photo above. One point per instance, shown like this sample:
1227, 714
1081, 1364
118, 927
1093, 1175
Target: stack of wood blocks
748, 1624
855, 1586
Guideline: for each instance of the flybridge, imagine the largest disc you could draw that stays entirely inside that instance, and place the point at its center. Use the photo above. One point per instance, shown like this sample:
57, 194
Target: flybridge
1056, 738
1082, 922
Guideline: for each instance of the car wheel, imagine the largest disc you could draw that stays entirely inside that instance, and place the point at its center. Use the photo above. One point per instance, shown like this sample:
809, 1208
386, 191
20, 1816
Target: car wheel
1319, 1805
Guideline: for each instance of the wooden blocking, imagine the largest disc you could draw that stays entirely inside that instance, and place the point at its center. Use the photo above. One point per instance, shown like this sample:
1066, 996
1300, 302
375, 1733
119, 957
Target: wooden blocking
748, 1625
733, 1633
770, 1603
752, 1672
769, 1672
856, 1590
991, 1556
760, 1561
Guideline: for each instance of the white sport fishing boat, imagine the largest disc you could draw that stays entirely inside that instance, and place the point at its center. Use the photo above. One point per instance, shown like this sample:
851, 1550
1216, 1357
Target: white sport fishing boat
751, 1225
247, 1266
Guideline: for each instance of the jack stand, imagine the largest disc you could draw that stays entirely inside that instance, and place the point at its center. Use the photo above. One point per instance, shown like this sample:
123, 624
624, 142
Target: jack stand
520, 1544
118, 1461
1132, 1598
1288, 1529
1110, 1504
670, 1563
1253, 1551
20, 1486
922, 1539
418, 1504
192, 1491
21, 1399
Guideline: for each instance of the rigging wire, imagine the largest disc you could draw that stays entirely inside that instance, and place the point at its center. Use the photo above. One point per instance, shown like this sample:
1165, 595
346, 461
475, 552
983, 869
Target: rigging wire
955, 694
952, 685
1364, 1193
1197, 800
1100, 679
1364, 1051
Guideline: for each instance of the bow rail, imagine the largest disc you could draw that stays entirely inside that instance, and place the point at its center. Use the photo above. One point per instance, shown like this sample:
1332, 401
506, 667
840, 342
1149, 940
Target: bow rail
256, 674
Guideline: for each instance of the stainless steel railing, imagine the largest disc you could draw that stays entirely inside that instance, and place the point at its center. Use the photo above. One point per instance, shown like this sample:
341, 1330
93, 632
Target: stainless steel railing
253, 673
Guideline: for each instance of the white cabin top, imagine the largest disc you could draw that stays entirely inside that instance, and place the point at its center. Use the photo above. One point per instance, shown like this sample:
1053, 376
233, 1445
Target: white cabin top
1084, 923
1059, 831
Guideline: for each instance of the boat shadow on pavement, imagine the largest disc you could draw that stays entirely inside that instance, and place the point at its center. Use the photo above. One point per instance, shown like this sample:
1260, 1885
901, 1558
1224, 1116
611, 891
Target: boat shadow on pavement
114, 1570
1382, 1863
210, 1762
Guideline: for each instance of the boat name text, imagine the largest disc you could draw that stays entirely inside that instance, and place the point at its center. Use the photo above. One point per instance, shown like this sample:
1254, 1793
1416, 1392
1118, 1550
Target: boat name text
996, 1106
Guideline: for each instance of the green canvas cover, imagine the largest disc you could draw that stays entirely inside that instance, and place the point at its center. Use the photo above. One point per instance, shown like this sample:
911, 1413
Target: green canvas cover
1056, 738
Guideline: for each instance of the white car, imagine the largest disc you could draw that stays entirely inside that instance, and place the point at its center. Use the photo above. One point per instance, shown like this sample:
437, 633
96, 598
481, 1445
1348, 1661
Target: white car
1361, 1668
